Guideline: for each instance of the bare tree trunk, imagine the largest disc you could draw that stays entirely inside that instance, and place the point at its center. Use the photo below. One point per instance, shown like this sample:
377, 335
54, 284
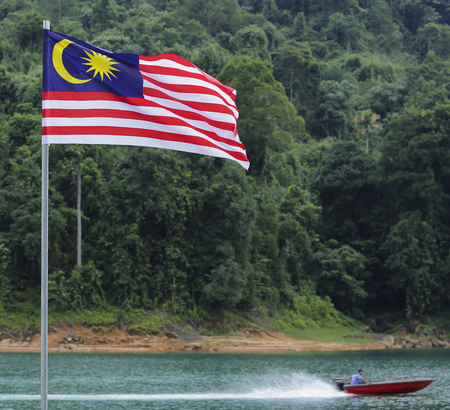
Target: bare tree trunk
325, 129
79, 214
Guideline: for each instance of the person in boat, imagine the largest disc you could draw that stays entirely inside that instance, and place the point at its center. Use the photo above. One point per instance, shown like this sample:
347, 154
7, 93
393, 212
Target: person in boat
357, 378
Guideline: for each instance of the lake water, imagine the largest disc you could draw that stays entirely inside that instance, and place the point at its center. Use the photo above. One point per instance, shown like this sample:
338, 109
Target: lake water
220, 381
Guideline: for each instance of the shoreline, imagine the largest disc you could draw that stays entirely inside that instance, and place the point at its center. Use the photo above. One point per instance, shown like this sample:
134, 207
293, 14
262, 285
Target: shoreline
73, 338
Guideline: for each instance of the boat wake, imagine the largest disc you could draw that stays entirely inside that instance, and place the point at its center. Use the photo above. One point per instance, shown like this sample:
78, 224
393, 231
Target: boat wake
298, 386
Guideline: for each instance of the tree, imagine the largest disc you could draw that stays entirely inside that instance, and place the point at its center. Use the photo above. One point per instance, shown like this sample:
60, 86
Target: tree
194, 34
216, 16
252, 42
7, 92
347, 186
416, 14
5, 288
347, 31
299, 28
388, 98
80, 289
28, 29
413, 259
20, 212
103, 15
270, 11
297, 238
335, 105
415, 158
222, 230
296, 67
79, 168
265, 112
269, 280
340, 275
22, 124
379, 20
211, 58
72, 28
366, 123
430, 34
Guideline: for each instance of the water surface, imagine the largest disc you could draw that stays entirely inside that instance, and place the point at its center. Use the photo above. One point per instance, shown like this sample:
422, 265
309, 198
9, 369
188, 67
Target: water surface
220, 381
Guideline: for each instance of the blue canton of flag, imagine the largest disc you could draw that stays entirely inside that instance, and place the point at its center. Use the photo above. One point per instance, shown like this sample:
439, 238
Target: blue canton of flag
68, 60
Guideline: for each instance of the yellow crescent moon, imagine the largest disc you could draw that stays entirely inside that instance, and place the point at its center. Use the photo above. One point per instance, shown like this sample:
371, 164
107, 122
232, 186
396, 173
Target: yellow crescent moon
58, 63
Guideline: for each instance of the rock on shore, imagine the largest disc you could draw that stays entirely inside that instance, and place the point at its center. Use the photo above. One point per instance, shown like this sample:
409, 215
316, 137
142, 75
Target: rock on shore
414, 336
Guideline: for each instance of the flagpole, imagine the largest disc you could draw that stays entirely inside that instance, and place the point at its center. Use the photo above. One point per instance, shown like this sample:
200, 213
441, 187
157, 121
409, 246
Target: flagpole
44, 271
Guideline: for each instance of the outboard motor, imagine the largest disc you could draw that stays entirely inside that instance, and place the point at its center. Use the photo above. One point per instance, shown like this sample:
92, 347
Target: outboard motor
339, 383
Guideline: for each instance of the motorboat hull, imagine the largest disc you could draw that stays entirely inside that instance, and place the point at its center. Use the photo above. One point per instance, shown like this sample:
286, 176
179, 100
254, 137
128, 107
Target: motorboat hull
391, 387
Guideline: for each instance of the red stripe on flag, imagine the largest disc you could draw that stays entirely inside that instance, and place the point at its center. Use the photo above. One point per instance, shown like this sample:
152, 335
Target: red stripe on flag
137, 132
90, 96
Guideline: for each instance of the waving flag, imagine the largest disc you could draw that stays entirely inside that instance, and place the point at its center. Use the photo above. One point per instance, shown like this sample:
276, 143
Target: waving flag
93, 96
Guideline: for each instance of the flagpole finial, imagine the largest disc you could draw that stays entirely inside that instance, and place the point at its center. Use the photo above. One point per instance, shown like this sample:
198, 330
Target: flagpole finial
47, 24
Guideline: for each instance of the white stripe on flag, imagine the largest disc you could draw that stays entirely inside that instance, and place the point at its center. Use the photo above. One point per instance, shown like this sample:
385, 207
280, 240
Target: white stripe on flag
141, 142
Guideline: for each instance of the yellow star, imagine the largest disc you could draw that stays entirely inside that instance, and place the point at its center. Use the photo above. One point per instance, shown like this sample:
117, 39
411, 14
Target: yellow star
101, 64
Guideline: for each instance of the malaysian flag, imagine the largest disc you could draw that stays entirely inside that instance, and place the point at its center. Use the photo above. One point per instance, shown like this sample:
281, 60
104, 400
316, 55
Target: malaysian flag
93, 96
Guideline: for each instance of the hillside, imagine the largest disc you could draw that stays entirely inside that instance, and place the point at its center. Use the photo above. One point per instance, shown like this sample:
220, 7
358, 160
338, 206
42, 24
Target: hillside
345, 114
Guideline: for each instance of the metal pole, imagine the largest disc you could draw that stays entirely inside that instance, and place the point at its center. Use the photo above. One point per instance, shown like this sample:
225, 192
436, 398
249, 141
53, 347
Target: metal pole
79, 213
44, 281
44, 272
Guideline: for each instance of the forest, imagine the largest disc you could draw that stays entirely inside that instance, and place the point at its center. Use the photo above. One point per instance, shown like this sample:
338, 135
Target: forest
345, 114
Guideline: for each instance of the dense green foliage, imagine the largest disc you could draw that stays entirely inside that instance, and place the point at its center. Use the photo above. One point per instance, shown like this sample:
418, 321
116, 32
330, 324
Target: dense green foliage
345, 113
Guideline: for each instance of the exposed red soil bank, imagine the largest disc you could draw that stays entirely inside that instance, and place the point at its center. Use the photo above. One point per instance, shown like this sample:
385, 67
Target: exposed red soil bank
76, 338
